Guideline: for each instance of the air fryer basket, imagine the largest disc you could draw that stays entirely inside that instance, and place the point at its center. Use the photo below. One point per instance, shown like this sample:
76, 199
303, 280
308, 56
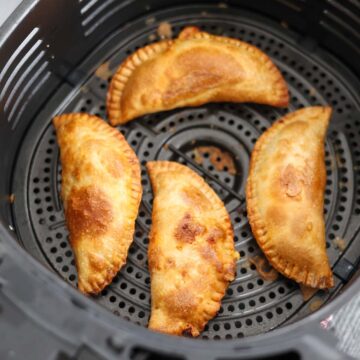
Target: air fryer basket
50, 64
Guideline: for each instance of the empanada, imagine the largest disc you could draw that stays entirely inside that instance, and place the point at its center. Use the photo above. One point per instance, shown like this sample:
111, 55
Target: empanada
194, 69
192, 257
101, 192
285, 196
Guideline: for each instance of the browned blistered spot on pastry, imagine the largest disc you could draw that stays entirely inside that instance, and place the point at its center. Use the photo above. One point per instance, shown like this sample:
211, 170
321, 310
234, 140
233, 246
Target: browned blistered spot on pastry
181, 302
263, 268
195, 198
170, 261
200, 69
214, 235
210, 255
88, 212
188, 229
220, 159
290, 181
211, 240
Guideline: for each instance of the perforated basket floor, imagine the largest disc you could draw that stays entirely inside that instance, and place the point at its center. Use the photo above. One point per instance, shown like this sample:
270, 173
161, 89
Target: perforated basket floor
252, 305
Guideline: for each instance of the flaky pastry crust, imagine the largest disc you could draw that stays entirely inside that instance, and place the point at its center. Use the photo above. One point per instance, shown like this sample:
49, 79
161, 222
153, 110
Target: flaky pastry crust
194, 69
191, 254
285, 196
101, 192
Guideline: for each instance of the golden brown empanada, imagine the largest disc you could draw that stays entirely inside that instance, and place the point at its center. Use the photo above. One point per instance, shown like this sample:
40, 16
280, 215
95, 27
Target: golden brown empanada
285, 196
191, 252
101, 192
194, 69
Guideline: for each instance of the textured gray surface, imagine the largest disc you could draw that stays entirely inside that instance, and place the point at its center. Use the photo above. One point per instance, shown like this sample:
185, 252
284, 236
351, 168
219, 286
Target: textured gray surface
6, 8
346, 323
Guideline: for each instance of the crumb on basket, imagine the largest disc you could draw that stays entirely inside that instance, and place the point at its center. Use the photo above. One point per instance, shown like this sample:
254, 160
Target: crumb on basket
103, 71
152, 37
339, 243
165, 30
84, 89
150, 20
312, 91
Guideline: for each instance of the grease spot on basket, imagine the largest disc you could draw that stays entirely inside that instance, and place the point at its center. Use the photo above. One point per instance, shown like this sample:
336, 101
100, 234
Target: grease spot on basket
221, 160
11, 198
284, 24
332, 163
264, 269
316, 304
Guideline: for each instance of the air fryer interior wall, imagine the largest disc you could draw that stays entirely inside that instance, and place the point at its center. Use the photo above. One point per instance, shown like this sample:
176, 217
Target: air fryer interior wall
50, 67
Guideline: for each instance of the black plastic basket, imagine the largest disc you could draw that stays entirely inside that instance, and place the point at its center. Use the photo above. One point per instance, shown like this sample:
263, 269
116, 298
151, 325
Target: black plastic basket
49, 53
